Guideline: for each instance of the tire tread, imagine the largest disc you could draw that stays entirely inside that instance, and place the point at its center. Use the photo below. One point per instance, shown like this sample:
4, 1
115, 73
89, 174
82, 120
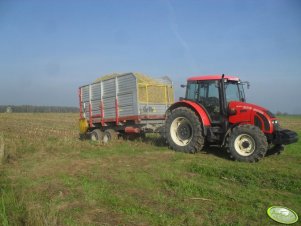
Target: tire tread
257, 134
197, 142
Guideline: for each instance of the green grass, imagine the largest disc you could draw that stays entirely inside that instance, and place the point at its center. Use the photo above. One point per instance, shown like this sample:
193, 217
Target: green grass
52, 178
3, 215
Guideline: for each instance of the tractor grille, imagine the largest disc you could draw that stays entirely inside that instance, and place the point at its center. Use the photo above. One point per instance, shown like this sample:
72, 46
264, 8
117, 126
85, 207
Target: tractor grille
258, 122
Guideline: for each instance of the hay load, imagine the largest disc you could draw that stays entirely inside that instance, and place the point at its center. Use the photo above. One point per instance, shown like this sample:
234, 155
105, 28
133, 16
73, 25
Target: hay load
150, 90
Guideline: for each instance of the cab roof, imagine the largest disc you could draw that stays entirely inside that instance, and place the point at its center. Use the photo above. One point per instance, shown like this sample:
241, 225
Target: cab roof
213, 77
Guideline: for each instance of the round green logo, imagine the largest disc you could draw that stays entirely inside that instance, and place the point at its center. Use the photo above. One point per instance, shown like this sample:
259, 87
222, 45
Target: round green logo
282, 215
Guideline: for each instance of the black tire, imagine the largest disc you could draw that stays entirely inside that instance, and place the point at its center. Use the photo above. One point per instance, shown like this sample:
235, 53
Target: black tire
96, 135
184, 131
275, 150
82, 136
247, 143
109, 135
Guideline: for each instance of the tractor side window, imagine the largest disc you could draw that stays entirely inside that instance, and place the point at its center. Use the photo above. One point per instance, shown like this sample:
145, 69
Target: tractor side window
213, 90
232, 92
242, 93
203, 91
209, 98
192, 93
203, 87
213, 100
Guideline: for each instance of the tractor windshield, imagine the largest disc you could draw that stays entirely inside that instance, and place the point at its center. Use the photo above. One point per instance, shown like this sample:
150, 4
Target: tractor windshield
234, 91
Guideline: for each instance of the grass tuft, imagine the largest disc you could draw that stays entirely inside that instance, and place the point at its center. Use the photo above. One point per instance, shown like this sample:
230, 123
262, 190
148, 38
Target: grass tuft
3, 216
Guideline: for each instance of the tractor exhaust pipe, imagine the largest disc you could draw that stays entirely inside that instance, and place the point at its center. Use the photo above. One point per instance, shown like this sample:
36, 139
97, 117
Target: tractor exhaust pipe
223, 100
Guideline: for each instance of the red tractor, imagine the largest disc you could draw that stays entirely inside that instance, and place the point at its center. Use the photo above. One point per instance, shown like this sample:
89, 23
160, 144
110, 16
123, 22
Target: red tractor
214, 112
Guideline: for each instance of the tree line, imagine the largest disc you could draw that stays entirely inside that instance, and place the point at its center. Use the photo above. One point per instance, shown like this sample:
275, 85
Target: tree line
40, 109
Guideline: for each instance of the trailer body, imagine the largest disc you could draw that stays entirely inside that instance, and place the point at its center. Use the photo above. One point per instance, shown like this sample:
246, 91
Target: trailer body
126, 102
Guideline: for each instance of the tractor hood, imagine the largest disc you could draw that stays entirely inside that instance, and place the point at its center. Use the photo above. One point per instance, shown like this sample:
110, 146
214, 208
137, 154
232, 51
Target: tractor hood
246, 106
241, 112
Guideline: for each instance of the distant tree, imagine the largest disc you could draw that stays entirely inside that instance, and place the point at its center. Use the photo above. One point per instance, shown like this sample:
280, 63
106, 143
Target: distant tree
40, 109
278, 113
281, 113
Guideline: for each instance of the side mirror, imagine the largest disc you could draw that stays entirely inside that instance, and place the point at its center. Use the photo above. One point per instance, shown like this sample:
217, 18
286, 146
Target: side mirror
183, 86
248, 84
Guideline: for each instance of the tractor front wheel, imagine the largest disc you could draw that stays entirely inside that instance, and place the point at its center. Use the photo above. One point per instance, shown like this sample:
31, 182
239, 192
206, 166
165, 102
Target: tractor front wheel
184, 131
247, 143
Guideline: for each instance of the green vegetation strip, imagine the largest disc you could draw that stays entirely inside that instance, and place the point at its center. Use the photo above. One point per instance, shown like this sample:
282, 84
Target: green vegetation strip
52, 178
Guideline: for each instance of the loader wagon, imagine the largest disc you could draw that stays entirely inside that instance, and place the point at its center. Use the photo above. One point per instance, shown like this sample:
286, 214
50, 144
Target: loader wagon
129, 103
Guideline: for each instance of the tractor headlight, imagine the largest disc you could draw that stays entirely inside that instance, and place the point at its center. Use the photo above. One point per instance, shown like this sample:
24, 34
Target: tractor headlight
275, 122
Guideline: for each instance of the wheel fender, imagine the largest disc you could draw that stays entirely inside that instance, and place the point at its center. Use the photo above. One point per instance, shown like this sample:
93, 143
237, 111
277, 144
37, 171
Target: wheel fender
229, 131
195, 107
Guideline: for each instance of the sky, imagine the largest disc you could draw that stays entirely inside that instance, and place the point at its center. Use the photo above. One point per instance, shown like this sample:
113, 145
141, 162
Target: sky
50, 48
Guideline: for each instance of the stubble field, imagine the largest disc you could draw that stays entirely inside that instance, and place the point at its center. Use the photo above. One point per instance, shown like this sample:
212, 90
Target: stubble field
50, 177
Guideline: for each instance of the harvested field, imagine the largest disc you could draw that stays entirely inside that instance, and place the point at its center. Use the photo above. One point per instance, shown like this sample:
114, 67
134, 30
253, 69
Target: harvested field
50, 177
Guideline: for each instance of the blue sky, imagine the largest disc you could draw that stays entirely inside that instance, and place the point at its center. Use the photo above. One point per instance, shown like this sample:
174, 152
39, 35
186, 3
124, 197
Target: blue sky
49, 48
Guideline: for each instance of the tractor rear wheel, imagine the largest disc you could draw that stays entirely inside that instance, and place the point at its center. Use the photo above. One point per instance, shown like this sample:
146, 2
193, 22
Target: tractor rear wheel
247, 143
184, 131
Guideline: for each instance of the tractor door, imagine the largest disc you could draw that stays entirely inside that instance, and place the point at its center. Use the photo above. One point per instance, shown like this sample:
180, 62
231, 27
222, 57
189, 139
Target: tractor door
209, 97
207, 94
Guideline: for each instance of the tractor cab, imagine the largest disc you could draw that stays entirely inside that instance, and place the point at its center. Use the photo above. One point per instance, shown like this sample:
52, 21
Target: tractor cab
214, 94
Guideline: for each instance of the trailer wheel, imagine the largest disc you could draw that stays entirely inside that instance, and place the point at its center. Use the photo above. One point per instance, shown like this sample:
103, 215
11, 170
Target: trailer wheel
109, 135
106, 138
96, 135
184, 131
247, 143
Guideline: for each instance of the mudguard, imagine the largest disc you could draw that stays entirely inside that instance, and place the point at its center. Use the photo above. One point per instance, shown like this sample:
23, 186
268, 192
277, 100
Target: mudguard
195, 107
